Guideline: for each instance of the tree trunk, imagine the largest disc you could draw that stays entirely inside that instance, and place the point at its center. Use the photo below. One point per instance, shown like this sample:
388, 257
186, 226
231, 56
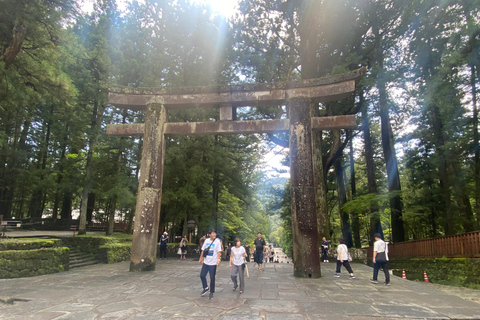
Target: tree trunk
9, 53
393, 176
476, 145
112, 207
375, 225
323, 221
342, 199
355, 216
96, 118
35, 209
437, 125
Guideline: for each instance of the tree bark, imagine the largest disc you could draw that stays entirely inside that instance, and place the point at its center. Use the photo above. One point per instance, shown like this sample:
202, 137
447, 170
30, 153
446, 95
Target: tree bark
355, 215
476, 145
342, 199
18, 36
375, 225
393, 176
96, 120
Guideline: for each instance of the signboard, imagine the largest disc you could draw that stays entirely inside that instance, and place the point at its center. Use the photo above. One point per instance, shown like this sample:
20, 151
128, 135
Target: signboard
191, 223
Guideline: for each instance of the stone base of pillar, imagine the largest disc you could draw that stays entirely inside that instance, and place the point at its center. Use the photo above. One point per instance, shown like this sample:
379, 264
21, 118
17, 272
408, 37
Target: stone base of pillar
307, 274
143, 266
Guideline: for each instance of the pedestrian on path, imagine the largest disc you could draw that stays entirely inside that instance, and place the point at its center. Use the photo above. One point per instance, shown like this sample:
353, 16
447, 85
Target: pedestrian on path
325, 245
163, 245
343, 258
237, 264
272, 253
247, 250
259, 246
380, 258
210, 260
183, 248
228, 252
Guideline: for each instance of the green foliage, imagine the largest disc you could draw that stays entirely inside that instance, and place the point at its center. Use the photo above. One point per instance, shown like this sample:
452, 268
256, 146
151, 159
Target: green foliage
115, 252
463, 272
28, 244
28, 263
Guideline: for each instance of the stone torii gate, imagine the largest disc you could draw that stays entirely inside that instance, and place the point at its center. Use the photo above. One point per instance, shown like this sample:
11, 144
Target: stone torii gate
297, 96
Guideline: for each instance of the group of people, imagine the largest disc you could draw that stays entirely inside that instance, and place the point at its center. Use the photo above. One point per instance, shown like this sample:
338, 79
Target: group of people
380, 258
210, 257
237, 255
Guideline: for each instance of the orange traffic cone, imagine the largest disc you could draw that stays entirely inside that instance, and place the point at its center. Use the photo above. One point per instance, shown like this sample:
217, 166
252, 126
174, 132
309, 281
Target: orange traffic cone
404, 276
425, 276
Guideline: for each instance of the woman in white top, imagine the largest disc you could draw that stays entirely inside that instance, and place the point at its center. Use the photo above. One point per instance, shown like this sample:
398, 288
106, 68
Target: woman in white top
237, 264
342, 259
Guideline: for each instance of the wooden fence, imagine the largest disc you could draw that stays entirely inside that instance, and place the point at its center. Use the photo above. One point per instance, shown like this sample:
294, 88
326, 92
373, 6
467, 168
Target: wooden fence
463, 245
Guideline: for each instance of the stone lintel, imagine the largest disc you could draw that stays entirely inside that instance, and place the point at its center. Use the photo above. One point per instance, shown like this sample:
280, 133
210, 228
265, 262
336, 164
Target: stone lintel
323, 93
355, 75
125, 130
233, 127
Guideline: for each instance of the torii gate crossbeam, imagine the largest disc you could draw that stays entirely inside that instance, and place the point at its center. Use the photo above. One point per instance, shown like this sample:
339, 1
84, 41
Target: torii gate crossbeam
298, 96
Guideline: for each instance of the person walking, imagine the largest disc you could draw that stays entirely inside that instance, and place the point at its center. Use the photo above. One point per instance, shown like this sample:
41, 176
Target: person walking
259, 246
343, 258
210, 260
228, 252
324, 245
237, 265
247, 251
163, 245
272, 253
380, 258
183, 247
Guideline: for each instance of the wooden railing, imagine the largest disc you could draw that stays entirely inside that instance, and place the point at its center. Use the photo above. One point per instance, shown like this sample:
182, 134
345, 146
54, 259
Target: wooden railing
463, 245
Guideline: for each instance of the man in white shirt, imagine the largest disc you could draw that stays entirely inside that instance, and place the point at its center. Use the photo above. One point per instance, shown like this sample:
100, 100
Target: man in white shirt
380, 258
210, 259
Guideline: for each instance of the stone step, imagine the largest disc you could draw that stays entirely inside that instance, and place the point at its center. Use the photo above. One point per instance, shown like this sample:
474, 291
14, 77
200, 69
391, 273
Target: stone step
80, 259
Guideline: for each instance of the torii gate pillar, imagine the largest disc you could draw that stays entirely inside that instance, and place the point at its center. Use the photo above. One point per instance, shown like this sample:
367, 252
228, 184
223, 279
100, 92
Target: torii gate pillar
304, 220
147, 212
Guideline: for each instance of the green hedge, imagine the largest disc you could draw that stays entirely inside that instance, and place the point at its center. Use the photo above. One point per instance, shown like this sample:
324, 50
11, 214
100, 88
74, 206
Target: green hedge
464, 272
115, 252
28, 244
28, 263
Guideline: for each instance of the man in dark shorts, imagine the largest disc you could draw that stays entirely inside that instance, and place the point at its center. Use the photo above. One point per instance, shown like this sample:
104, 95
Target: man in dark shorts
259, 245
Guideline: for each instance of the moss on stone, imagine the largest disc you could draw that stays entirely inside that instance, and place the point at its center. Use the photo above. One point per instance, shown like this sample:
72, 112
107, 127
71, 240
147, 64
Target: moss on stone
28, 263
464, 272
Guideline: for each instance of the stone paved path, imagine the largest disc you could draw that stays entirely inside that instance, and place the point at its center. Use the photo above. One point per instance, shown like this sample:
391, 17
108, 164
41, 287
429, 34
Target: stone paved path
173, 292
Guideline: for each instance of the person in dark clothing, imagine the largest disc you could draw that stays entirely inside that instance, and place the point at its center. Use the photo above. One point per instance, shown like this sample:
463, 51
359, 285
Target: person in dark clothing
380, 258
259, 246
247, 250
163, 245
325, 245
229, 252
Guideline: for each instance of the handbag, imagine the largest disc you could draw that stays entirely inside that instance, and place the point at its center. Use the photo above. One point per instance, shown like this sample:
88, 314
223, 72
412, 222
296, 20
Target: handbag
381, 257
246, 270
349, 257
179, 251
205, 252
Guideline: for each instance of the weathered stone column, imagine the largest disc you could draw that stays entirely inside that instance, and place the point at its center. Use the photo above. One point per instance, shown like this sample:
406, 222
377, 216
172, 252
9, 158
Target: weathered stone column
304, 221
147, 213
